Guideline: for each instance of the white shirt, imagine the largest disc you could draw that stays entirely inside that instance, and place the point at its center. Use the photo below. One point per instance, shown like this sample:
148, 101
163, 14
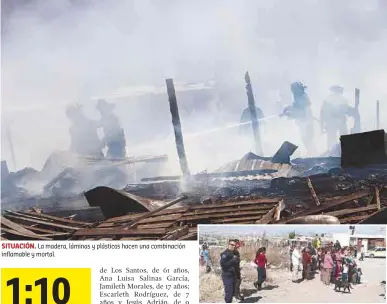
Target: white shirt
296, 256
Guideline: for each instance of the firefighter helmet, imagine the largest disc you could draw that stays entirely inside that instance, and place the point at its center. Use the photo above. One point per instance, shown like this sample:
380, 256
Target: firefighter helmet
297, 87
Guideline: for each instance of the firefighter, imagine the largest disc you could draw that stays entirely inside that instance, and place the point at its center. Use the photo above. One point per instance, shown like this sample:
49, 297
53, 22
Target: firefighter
83, 133
238, 278
301, 112
245, 121
229, 262
114, 136
333, 115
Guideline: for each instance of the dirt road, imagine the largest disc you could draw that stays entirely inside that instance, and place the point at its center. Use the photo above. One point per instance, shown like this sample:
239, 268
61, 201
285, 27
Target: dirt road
280, 288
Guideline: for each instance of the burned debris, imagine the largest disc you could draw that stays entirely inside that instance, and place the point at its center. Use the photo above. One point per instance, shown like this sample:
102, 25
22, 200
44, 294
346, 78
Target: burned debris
255, 189
317, 199
165, 222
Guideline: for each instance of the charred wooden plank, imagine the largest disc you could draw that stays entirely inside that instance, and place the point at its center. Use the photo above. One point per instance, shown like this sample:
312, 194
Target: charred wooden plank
155, 225
376, 197
192, 236
353, 219
119, 232
312, 192
348, 212
149, 214
54, 218
30, 235
263, 201
15, 226
268, 217
231, 210
329, 204
376, 218
49, 224
45, 231
175, 234
243, 219
129, 217
222, 215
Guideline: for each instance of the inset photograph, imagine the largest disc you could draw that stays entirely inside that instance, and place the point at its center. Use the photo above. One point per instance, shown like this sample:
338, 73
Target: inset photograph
292, 263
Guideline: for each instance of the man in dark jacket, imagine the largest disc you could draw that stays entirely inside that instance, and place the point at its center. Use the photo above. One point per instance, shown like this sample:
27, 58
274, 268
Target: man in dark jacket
238, 278
313, 253
229, 262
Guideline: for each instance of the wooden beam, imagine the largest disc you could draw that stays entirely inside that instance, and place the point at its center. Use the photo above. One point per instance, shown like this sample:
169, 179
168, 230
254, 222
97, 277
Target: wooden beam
149, 214
337, 201
102, 232
177, 127
312, 192
253, 115
377, 197
30, 235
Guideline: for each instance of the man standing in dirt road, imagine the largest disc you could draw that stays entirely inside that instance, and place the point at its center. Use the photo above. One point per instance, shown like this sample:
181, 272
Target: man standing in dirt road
229, 263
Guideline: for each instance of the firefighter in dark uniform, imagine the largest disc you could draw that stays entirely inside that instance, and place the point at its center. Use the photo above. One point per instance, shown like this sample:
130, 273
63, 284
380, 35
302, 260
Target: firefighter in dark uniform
83, 133
114, 136
301, 112
229, 262
238, 278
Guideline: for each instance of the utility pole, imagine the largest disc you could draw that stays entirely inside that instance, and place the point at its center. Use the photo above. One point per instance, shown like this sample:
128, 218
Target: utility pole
377, 115
253, 115
356, 115
177, 127
10, 142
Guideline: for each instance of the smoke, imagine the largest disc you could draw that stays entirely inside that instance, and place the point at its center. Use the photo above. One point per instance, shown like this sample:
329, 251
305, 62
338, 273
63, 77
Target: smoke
59, 52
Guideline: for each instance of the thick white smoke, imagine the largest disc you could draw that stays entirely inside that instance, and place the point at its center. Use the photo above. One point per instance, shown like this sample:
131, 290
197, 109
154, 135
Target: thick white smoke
56, 52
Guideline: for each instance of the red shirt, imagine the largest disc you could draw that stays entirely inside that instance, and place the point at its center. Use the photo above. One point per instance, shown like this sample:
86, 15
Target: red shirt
307, 258
260, 260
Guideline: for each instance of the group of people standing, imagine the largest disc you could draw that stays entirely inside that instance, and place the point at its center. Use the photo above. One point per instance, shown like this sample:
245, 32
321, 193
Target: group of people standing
339, 264
333, 262
303, 261
84, 132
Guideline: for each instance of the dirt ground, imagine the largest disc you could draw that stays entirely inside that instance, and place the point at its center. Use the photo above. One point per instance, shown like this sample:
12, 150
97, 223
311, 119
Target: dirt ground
280, 289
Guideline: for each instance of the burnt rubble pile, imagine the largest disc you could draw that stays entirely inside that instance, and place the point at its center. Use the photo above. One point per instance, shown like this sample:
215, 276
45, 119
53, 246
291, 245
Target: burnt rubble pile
252, 190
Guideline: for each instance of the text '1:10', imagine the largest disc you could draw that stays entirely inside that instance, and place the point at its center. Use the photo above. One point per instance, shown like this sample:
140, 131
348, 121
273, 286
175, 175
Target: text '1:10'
15, 283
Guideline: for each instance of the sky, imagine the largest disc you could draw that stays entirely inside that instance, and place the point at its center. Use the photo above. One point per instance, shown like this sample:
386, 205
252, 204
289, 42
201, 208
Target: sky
285, 229
59, 52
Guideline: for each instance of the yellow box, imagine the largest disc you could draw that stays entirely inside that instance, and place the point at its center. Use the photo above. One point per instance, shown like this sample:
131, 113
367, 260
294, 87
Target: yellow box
46, 285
